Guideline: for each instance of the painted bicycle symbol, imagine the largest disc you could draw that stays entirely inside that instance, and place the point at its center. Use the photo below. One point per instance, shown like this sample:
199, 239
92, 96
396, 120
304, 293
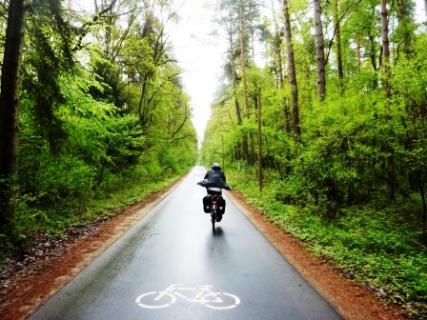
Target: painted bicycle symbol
198, 294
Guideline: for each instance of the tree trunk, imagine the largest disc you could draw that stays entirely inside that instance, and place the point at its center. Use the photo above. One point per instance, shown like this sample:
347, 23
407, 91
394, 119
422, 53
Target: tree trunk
278, 59
9, 105
243, 60
320, 50
281, 80
259, 131
233, 70
291, 70
338, 47
277, 48
234, 75
386, 49
424, 216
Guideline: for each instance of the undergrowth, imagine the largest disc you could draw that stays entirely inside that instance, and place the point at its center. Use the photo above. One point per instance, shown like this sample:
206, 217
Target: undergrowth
31, 227
374, 246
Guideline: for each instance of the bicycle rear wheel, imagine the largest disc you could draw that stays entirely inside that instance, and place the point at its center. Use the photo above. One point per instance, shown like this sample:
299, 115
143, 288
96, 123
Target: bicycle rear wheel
213, 220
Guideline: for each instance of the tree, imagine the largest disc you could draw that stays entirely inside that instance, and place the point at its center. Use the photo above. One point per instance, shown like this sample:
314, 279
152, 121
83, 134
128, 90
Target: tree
405, 27
9, 104
338, 49
386, 49
227, 23
258, 106
243, 58
292, 78
320, 50
278, 61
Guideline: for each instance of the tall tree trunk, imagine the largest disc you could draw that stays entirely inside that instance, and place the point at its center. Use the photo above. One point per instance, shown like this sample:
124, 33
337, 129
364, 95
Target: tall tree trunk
338, 47
281, 84
243, 60
320, 50
9, 105
244, 146
291, 70
277, 48
259, 134
278, 60
243, 64
386, 49
424, 217
234, 75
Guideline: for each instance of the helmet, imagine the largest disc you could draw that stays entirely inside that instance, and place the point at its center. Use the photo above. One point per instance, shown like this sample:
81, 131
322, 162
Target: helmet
216, 166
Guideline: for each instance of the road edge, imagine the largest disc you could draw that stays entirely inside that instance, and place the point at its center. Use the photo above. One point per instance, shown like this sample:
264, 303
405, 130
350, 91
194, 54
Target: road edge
351, 300
40, 286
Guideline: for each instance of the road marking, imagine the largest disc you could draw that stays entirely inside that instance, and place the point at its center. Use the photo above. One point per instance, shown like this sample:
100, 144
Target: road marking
202, 294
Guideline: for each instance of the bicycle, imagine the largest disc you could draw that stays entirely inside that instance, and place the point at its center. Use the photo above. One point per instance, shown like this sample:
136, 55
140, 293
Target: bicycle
199, 294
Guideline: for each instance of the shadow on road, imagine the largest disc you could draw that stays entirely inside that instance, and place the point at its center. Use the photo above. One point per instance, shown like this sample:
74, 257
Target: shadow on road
218, 232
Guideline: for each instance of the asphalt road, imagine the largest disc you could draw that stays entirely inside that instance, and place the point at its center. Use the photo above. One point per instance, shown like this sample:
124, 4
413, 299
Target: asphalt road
172, 266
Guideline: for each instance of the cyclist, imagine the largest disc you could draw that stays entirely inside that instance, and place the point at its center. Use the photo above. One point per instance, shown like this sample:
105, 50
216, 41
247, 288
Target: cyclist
216, 180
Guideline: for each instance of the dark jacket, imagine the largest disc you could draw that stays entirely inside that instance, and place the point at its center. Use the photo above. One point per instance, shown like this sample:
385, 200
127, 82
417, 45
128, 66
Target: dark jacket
216, 178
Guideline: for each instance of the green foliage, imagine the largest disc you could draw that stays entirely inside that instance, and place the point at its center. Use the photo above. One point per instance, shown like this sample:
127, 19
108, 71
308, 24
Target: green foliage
374, 246
101, 124
353, 185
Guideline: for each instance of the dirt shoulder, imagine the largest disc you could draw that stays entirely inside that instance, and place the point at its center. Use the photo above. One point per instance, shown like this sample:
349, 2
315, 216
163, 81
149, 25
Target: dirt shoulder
351, 300
54, 263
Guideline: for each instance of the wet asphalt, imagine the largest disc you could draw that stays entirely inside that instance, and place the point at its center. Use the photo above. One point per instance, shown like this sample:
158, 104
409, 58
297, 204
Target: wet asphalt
161, 269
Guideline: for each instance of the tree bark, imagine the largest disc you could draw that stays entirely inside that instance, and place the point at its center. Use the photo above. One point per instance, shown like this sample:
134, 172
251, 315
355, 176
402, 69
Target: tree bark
244, 150
277, 44
386, 49
234, 75
281, 82
9, 106
320, 50
259, 131
291, 70
243, 60
338, 47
